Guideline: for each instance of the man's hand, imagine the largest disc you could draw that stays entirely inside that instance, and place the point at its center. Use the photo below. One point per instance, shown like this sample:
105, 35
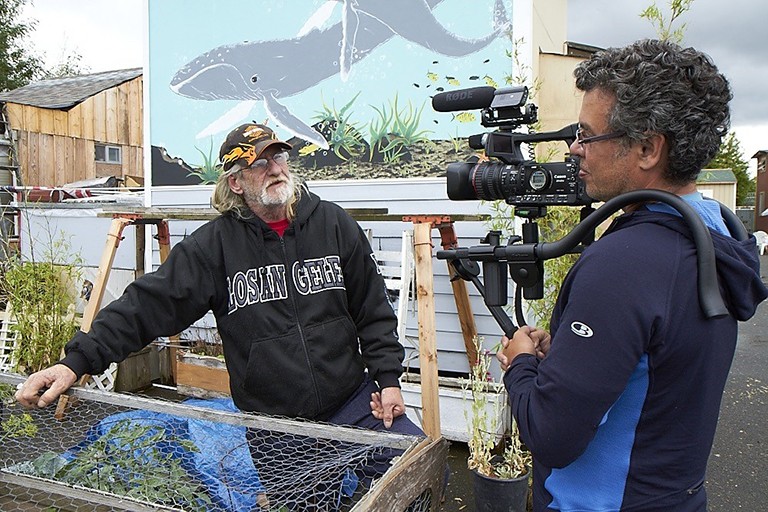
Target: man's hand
44, 387
526, 340
387, 405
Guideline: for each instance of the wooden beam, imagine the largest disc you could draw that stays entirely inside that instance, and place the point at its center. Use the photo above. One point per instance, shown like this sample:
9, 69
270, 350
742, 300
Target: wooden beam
460, 295
422, 241
105, 266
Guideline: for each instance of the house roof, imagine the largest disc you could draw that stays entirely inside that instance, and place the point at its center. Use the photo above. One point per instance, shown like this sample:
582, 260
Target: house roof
716, 176
65, 93
760, 153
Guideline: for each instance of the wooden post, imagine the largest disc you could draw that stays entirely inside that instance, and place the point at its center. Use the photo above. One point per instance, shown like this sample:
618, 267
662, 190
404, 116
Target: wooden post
164, 246
422, 241
114, 237
105, 267
460, 295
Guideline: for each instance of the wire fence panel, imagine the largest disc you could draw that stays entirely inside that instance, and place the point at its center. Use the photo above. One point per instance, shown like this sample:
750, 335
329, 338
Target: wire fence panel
110, 451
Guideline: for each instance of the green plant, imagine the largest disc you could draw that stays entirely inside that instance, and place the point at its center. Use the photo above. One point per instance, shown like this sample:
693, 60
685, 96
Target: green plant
208, 173
378, 130
16, 425
405, 125
128, 461
493, 454
560, 220
456, 142
43, 304
664, 27
342, 135
396, 130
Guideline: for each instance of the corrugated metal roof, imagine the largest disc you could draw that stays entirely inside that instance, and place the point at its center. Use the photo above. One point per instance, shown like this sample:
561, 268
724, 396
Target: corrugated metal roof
65, 93
716, 176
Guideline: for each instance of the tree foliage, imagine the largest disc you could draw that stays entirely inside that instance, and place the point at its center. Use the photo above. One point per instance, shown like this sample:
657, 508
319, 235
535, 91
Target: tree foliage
19, 65
729, 156
70, 65
664, 26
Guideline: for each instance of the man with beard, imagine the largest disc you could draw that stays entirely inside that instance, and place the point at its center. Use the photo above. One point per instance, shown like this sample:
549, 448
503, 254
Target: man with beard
302, 311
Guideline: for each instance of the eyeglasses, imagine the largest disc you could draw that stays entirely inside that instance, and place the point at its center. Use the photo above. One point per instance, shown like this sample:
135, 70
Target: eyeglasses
583, 141
262, 163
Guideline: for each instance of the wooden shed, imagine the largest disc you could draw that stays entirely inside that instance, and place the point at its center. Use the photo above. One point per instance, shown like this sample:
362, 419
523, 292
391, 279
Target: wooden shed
718, 184
77, 128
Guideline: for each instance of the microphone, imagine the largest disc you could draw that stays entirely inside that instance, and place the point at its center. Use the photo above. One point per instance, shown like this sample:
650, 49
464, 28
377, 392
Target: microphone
463, 99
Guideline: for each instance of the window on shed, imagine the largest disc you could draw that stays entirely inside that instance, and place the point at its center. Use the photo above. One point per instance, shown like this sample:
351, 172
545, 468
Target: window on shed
108, 154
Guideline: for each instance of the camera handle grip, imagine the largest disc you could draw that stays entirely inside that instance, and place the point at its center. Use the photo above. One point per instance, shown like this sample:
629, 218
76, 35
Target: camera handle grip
497, 312
469, 271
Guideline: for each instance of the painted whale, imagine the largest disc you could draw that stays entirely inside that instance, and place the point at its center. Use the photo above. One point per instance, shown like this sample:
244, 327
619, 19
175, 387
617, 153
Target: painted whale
267, 71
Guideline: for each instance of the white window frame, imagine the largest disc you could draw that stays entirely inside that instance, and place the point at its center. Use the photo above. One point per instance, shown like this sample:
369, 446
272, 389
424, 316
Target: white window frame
108, 148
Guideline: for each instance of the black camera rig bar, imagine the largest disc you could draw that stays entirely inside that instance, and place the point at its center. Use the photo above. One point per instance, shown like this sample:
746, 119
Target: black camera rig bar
524, 260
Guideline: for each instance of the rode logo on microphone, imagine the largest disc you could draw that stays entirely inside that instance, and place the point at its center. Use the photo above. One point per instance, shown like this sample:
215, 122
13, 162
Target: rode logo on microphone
458, 95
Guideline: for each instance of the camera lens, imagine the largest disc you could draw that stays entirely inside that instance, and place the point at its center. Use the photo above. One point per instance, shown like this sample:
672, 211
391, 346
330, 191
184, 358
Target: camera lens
493, 180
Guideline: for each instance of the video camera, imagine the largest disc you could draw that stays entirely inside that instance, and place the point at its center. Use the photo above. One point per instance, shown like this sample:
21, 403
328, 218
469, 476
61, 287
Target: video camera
514, 179
531, 187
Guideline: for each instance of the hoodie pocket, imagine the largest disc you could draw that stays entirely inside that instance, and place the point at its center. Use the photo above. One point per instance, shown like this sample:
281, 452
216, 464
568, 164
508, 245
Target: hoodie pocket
337, 365
278, 378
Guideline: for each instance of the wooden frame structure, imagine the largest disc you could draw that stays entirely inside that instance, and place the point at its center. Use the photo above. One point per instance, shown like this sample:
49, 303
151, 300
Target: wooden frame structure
420, 469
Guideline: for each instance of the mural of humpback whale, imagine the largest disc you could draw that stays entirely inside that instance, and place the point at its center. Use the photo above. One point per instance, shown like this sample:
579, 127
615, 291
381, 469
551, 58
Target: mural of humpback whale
268, 71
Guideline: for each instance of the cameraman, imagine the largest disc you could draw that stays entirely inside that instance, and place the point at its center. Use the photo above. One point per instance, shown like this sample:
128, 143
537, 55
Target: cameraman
619, 406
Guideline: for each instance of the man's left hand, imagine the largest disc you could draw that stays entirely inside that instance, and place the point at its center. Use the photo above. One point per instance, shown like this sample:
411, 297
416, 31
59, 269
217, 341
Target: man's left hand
526, 340
387, 405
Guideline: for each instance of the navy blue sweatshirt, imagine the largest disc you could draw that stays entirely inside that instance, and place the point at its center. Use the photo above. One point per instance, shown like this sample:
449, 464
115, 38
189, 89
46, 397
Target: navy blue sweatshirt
622, 412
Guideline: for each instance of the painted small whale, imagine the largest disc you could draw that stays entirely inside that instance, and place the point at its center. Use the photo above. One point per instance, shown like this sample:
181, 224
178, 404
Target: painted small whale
268, 71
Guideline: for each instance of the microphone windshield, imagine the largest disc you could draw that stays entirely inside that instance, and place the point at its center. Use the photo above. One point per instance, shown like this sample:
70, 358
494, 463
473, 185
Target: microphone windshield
463, 99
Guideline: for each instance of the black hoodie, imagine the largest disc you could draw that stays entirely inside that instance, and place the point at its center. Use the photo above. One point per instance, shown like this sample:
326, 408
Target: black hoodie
300, 317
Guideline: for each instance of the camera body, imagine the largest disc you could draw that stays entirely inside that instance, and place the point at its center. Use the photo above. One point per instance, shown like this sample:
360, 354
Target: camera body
512, 178
528, 183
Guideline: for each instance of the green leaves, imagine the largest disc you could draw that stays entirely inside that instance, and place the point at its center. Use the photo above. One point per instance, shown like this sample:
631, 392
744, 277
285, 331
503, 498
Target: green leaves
209, 172
128, 461
664, 27
485, 441
43, 307
18, 63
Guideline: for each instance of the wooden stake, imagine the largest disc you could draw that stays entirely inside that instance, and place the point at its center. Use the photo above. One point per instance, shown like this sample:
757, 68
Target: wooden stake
422, 236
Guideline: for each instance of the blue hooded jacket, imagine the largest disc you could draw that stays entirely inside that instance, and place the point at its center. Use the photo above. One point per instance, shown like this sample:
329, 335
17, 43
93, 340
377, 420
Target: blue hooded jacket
621, 414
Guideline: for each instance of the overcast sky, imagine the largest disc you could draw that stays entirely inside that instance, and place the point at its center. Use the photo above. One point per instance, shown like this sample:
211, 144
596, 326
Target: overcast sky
110, 34
732, 33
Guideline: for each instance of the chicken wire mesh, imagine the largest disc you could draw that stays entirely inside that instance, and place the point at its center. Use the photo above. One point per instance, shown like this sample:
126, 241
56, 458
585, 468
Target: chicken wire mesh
109, 451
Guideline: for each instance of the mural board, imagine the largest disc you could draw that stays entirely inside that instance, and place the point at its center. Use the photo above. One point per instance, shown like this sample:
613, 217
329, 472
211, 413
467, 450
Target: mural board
347, 82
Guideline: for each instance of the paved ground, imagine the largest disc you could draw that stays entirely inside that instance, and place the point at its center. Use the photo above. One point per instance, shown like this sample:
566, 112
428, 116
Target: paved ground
737, 478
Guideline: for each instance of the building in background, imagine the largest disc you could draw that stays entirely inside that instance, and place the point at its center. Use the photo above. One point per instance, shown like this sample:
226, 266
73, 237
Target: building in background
761, 191
77, 128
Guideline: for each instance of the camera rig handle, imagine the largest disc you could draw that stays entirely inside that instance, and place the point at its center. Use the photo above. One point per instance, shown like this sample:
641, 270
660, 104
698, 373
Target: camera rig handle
523, 259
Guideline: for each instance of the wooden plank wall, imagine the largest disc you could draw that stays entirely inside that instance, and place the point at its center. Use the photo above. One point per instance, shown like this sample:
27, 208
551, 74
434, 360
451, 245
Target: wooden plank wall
57, 146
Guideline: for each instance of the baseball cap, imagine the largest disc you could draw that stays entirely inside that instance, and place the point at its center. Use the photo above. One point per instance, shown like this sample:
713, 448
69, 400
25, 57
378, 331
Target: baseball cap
245, 144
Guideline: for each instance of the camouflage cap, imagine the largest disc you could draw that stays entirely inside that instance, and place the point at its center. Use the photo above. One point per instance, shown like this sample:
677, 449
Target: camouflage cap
245, 144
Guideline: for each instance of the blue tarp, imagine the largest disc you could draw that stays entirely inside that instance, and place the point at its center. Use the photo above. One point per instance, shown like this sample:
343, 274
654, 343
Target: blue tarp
223, 463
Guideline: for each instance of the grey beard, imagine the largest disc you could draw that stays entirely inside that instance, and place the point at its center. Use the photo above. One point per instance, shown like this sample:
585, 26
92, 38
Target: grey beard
265, 199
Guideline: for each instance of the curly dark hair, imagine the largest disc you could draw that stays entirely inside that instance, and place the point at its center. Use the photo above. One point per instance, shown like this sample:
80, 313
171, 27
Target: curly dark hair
663, 88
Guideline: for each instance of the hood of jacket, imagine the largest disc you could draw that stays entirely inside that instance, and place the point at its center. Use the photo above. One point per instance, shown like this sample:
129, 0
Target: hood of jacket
738, 263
